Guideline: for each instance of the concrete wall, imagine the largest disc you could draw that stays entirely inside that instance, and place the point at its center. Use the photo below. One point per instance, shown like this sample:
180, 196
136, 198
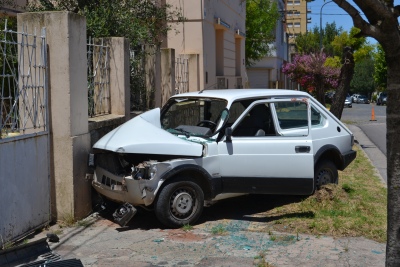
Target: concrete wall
70, 139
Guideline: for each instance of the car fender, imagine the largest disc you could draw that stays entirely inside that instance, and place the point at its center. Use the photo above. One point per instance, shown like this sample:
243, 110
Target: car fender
334, 154
210, 185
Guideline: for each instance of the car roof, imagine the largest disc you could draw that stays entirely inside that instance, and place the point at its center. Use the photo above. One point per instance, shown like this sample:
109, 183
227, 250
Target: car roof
234, 94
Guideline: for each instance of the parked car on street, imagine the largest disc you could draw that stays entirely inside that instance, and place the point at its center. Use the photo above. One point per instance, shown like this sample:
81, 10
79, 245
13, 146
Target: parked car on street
354, 97
382, 99
348, 102
362, 99
205, 146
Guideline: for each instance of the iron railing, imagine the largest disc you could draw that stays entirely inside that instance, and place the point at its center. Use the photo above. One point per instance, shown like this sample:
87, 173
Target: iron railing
181, 75
23, 81
98, 61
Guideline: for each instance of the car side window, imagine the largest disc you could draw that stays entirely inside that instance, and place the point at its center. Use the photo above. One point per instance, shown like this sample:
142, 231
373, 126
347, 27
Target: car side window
293, 118
316, 117
257, 122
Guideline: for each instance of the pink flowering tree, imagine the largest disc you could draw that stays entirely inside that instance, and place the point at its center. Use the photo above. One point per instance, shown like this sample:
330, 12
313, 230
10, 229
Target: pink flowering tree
312, 74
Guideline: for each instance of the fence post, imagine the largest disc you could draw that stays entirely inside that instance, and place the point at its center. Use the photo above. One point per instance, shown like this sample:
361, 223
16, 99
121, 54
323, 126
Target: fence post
68, 106
119, 76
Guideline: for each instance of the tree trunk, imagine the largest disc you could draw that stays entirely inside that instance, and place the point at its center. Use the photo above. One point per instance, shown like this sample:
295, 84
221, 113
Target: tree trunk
320, 90
346, 74
393, 160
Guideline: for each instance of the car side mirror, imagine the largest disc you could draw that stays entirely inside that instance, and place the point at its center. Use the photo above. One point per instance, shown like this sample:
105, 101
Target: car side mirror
228, 134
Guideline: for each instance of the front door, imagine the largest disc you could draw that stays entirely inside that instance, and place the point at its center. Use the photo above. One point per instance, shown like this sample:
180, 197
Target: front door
270, 151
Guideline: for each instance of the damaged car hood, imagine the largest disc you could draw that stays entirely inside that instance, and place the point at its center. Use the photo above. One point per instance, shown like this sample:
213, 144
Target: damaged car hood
144, 135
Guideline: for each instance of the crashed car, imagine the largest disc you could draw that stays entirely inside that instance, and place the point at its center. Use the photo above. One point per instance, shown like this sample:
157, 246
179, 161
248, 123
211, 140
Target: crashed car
208, 145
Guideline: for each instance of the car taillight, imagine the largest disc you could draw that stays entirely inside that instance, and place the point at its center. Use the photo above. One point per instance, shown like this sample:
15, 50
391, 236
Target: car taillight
352, 140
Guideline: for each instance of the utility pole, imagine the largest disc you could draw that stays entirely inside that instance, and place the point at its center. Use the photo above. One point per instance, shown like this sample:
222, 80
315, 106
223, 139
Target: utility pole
320, 25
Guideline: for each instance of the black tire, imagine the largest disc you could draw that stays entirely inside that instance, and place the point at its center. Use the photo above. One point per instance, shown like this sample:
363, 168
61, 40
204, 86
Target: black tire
179, 203
325, 173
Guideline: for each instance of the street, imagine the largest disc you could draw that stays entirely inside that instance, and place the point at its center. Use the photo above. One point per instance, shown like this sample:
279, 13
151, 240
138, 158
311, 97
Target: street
361, 114
369, 134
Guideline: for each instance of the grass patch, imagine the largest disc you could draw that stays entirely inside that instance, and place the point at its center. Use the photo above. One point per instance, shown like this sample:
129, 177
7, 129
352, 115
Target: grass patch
357, 206
187, 227
219, 229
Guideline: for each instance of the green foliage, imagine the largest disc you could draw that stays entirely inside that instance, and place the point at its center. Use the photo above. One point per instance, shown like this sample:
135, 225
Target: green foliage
309, 42
333, 62
261, 19
347, 39
142, 22
363, 81
380, 74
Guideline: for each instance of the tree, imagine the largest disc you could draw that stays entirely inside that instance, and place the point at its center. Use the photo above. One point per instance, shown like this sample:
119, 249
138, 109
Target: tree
309, 42
143, 22
363, 80
261, 19
380, 74
382, 24
345, 77
311, 72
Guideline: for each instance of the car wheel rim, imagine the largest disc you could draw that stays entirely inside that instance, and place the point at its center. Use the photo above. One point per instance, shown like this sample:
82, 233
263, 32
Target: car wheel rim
324, 177
183, 203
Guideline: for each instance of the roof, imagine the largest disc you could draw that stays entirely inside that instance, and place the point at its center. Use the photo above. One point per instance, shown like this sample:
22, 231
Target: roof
233, 94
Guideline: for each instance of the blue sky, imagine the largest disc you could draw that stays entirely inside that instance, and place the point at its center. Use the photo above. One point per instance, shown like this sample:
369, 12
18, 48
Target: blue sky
331, 13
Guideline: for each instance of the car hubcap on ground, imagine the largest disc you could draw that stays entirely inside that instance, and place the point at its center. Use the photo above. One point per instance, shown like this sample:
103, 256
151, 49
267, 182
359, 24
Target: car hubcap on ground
182, 202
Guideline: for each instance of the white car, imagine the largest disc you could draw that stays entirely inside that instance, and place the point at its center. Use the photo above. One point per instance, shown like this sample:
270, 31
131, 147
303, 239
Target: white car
208, 145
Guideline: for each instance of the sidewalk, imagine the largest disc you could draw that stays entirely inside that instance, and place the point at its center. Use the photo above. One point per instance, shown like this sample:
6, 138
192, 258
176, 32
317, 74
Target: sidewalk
106, 244
378, 159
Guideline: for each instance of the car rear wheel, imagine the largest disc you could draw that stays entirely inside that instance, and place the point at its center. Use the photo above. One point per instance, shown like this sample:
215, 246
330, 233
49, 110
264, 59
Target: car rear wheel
179, 203
325, 173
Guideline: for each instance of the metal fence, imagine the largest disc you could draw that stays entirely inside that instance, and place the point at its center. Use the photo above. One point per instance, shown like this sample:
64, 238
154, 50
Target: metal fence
98, 60
23, 93
181, 75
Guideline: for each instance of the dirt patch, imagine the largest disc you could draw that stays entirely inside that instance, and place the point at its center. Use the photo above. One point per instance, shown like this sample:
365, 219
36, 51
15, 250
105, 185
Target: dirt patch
329, 193
184, 236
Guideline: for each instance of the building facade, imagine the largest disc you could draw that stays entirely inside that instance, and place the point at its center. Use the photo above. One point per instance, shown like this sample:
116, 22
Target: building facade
212, 38
267, 72
296, 21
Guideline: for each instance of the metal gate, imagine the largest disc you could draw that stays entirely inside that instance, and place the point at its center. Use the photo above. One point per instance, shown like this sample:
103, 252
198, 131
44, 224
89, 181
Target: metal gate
24, 135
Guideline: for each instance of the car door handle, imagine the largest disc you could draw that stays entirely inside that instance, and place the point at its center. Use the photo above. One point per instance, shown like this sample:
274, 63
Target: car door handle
303, 149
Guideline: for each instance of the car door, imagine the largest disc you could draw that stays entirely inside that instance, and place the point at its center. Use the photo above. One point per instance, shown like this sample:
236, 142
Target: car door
276, 159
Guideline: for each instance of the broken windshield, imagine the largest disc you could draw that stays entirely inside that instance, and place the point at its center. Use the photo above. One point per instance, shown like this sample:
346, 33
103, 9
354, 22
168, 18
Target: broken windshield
193, 116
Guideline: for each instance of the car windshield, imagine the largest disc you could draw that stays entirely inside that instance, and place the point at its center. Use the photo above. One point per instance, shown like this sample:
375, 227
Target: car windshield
192, 116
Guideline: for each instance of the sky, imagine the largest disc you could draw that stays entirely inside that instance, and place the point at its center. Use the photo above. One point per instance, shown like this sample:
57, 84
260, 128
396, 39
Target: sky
331, 13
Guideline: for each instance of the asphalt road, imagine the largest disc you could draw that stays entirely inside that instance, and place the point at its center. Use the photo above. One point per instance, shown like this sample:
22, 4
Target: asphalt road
361, 115
368, 124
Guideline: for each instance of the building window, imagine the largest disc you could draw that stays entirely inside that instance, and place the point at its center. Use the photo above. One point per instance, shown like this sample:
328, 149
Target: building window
290, 25
290, 2
297, 24
297, 2
296, 13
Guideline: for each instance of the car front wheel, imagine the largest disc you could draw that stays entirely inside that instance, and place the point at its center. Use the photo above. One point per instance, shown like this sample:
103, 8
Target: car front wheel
179, 203
325, 173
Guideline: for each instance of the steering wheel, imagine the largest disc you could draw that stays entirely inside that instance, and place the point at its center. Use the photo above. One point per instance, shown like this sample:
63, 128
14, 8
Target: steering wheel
207, 123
